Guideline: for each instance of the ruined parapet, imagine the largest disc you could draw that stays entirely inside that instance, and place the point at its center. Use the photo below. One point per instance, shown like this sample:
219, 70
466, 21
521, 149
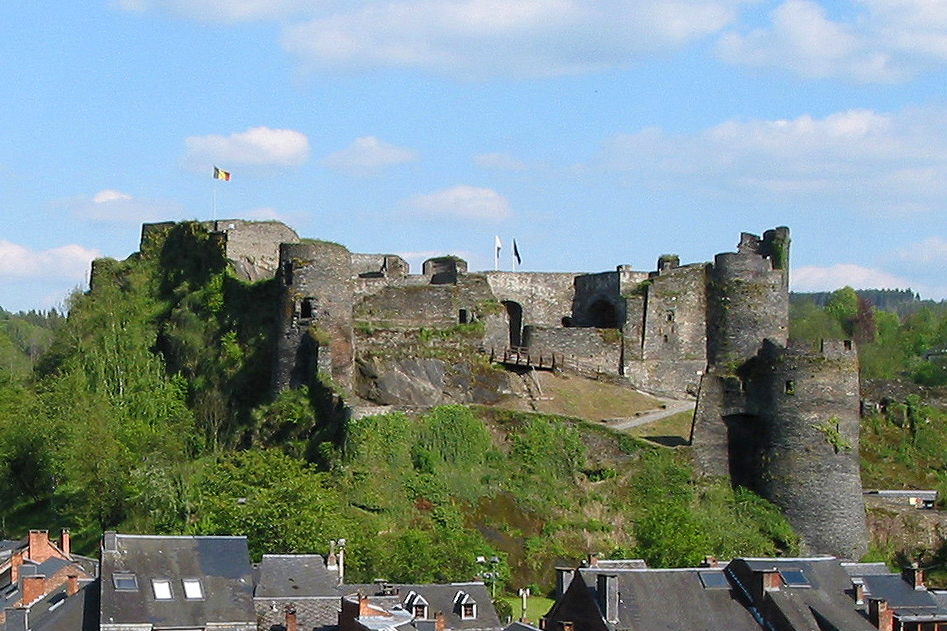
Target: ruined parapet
807, 404
748, 297
315, 319
252, 247
444, 270
380, 266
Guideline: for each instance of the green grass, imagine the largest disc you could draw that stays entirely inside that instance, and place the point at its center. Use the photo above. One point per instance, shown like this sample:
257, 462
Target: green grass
536, 607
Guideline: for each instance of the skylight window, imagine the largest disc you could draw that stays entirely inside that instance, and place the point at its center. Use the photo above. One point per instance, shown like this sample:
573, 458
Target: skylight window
125, 582
713, 580
162, 588
193, 589
794, 578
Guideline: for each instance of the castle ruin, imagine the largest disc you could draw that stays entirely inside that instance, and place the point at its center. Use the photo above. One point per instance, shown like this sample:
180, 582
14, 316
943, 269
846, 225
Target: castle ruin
779, 419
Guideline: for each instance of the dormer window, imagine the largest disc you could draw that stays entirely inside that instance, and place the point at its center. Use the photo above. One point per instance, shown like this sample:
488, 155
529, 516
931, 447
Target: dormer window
162, 588
125, 582
417, 605
465, 606
193, 589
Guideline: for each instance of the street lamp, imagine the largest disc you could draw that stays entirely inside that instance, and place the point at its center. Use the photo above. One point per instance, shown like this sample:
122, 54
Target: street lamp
492, 575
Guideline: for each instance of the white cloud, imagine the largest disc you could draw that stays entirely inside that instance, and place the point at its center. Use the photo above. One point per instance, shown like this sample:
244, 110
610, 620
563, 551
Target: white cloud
485, 38
814, 278
368, 155
499, 161
883, 163
217, 10
930, 251
67, 263
462, 202
112, 206
882, 40
256, 148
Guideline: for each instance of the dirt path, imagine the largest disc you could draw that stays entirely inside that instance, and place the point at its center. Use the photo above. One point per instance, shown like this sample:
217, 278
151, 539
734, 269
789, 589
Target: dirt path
671, 407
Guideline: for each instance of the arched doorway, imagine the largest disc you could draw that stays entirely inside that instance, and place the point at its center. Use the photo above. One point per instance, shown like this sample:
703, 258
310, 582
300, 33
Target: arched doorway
514, 317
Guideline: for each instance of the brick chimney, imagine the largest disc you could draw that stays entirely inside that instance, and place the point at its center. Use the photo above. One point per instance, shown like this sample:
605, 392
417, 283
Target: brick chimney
65, 542
72, 584
291, 624
858, 587
363, 608
709, 561
15, 562
880, 615
770, 581
913, 575
38, 545
440, 623
593, 559
33, 588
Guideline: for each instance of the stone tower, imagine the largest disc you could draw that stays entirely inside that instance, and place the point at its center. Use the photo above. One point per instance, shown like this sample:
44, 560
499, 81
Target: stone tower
807, 403
779, 419
315, 318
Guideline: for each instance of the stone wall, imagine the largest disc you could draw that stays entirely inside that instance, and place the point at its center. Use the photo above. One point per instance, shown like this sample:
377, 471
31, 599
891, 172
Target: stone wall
585, 349
598, 300
809, 405
676, 315
546, 298
316, 308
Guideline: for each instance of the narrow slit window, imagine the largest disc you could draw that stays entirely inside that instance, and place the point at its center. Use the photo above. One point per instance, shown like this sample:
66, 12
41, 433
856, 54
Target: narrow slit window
790, 387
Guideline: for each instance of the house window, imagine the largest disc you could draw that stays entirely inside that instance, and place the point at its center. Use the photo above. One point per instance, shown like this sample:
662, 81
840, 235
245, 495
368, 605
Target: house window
794, 578
713, 580
125, 582
468, 611
193, 589
162, 588
420, 612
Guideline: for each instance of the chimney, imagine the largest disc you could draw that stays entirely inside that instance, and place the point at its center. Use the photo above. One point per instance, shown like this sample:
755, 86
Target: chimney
858, 589
15, 562
770, 581
291, 619
65, 542
593, 559
38, 545
363, 608
880, 615
33, 589
16, 619
913, 575
439, 622
709, 561
110, 541
72, 584
332, 561
607, 585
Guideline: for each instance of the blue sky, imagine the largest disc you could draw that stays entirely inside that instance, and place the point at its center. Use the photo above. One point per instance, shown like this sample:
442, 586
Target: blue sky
594, 132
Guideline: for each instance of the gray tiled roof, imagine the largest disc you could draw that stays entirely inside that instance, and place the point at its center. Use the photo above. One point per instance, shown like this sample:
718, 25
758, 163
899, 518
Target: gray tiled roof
222, 564
295, 575
440, 598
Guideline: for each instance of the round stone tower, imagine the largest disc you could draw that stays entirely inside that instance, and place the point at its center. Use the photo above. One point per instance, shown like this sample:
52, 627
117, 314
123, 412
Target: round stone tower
748, 297
808, 407
315, 318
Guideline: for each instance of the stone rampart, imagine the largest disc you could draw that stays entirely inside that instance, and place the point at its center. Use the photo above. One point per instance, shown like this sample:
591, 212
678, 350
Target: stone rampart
546, 298
586, 349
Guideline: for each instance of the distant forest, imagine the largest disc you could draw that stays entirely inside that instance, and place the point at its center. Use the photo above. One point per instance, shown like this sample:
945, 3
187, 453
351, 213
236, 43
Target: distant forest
900, 301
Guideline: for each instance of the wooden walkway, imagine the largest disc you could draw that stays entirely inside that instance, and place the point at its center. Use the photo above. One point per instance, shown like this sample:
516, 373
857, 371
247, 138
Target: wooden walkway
520, 356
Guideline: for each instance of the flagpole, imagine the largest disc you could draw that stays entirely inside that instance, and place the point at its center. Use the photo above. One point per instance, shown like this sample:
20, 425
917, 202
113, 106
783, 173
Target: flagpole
215, 200
512, 255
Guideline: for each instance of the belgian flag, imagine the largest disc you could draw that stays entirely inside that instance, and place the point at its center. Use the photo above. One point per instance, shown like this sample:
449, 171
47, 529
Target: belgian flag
220, 174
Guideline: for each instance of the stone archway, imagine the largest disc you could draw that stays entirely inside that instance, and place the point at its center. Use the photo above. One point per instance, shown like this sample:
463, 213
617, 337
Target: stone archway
514, 318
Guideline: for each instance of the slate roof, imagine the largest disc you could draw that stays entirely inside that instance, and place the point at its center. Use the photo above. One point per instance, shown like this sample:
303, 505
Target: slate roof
824, 601
440, 598
654, 599
222, 564
295, 575
58, 612
302, 581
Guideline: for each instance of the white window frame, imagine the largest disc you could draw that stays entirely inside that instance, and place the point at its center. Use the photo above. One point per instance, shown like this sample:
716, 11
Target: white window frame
193, 588
161, 588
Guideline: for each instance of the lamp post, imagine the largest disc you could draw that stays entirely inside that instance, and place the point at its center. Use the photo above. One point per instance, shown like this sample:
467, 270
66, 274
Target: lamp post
492, 575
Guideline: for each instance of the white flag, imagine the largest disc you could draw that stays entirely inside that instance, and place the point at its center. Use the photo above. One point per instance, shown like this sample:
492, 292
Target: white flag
497, 247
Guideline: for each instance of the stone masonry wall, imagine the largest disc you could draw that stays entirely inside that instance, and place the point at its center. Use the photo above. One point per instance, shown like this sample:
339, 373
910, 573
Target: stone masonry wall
676, 318
809, 405
587, 349
546, 298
